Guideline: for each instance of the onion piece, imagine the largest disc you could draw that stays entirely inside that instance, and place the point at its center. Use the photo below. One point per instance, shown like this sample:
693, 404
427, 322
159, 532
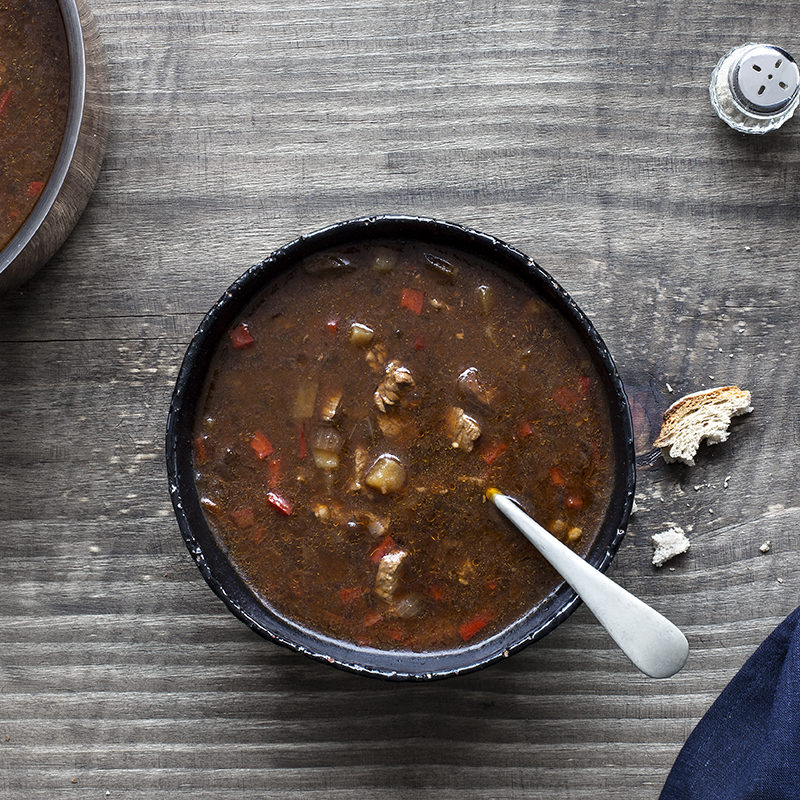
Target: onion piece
384, 259
305, 399
325, 448
387, 474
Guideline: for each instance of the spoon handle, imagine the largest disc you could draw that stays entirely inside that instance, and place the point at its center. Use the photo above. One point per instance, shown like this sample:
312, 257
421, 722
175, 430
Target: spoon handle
650, 640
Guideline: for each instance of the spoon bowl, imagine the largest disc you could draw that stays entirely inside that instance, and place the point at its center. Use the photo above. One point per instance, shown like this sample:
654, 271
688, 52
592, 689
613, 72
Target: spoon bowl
652, 643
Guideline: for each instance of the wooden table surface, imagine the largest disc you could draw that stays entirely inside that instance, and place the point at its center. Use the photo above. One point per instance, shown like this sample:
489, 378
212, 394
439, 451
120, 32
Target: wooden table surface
581, 133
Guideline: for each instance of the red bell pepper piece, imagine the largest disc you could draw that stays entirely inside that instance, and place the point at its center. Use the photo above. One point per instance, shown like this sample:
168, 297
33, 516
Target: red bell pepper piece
386, 545
200, 454
574, 502
302, 446
468, 629
493, 452
280, 503
262, 446
412, 299
5, 100
350, 594
371, 618
35, 188
436, 592
241, 336
557, 477
395, 633
565, 398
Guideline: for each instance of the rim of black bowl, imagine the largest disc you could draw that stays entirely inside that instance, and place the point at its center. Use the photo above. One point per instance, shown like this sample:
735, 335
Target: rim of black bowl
69, 141
212, 561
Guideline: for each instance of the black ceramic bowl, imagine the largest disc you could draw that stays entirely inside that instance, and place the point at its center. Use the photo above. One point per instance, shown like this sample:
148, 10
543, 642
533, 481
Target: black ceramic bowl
212, 560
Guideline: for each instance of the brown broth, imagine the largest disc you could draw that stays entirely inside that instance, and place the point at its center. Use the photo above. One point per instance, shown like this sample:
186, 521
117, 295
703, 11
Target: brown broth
545, 438
34, 99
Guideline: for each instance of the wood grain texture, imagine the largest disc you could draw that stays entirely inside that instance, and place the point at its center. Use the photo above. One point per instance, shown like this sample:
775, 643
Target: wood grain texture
585, 137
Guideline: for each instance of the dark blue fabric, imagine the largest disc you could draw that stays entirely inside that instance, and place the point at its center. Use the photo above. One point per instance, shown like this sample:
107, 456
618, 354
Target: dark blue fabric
747, 746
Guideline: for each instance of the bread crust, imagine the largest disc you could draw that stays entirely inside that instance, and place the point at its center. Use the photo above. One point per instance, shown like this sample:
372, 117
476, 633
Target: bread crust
698, 416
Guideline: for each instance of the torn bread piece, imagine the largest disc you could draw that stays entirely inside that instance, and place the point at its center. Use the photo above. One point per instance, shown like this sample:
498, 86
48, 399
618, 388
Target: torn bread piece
672, 542
695, 417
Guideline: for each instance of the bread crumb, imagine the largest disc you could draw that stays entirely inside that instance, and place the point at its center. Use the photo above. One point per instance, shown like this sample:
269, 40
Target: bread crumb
700, 416
765, 548
668, 544
726, 482
780, 580
669, 388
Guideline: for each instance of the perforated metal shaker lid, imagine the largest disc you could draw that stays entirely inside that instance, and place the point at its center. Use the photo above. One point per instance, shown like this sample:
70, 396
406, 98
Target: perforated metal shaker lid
755, 88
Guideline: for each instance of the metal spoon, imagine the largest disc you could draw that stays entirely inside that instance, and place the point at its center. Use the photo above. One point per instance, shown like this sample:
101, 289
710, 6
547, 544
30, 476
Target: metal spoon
650, 641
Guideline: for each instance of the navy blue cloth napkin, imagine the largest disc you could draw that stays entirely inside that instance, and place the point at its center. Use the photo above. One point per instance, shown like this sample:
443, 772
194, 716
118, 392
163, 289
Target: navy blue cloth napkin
747, 746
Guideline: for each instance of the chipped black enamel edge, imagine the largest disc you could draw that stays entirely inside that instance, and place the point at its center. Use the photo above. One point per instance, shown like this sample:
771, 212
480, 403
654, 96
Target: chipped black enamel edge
211, 561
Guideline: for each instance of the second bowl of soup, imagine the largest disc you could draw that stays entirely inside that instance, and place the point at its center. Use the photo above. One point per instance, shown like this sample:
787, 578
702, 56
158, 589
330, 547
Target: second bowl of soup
338, 417
53, 128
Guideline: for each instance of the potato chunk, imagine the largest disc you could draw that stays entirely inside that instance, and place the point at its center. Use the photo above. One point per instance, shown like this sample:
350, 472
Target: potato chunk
361, 335
388, 574
387, 474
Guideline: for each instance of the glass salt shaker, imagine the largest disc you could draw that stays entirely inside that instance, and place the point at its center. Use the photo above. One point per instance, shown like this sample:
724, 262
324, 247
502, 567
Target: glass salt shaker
755, 88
